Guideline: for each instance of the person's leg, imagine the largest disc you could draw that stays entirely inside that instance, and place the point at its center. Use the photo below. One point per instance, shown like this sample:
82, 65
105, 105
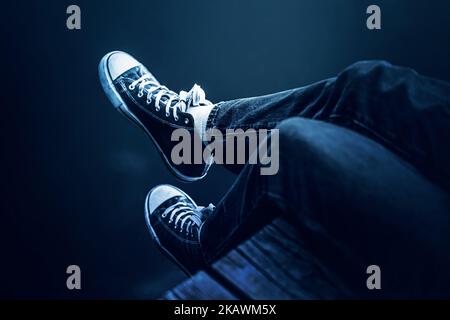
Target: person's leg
406, 112
355, 204
331, 192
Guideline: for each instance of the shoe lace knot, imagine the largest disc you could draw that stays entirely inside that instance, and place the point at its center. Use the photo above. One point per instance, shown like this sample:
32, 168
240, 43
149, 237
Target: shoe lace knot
163, 97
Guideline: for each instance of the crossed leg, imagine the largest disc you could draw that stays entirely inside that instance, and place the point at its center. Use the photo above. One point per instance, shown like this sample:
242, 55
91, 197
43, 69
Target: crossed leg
354, 202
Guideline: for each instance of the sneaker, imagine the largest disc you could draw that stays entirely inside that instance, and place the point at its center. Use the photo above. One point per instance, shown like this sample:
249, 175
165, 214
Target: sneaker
136, 93
174, 221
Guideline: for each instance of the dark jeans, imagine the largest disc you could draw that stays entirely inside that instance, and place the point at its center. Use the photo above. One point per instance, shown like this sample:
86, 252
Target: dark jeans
364, 175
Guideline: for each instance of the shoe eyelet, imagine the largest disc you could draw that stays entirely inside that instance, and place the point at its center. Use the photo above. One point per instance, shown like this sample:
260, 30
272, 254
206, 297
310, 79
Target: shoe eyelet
186, 121
157, 108
140, 94
176, 118
164, 215
167, 114
148, 101
131, 87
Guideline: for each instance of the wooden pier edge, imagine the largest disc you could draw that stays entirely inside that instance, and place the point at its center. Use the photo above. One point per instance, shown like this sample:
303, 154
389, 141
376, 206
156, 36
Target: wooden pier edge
272, 264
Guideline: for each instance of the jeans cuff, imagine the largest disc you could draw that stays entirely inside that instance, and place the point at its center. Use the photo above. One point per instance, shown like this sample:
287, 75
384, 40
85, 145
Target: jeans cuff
212, 116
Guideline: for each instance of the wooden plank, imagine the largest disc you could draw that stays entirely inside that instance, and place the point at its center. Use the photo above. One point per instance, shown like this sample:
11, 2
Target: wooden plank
277, 271
287, 264
170, 295
321, 282
286, 228
200, 287
273, 264
244, 275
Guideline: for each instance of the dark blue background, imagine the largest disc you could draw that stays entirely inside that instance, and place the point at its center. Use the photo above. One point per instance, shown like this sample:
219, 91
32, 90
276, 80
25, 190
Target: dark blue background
75, 173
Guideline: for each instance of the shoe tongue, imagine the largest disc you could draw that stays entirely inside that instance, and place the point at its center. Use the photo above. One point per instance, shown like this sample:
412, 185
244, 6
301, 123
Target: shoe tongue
164, 99
188, 203
140, 71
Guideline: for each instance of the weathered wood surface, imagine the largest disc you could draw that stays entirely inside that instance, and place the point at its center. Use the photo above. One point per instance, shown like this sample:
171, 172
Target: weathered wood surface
270, 265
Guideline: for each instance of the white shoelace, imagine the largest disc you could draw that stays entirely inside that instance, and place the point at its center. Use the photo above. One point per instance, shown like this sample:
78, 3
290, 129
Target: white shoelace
184, 100
188, 215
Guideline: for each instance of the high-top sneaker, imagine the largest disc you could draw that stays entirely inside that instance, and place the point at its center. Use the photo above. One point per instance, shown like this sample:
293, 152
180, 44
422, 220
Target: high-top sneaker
136, 93
174, 221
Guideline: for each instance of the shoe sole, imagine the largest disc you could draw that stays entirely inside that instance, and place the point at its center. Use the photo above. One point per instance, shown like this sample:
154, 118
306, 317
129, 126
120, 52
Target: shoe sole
153, 233
118, 103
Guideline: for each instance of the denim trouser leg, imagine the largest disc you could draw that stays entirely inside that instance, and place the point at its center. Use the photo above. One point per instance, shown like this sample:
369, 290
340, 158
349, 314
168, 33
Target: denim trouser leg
355, 202
406, 112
